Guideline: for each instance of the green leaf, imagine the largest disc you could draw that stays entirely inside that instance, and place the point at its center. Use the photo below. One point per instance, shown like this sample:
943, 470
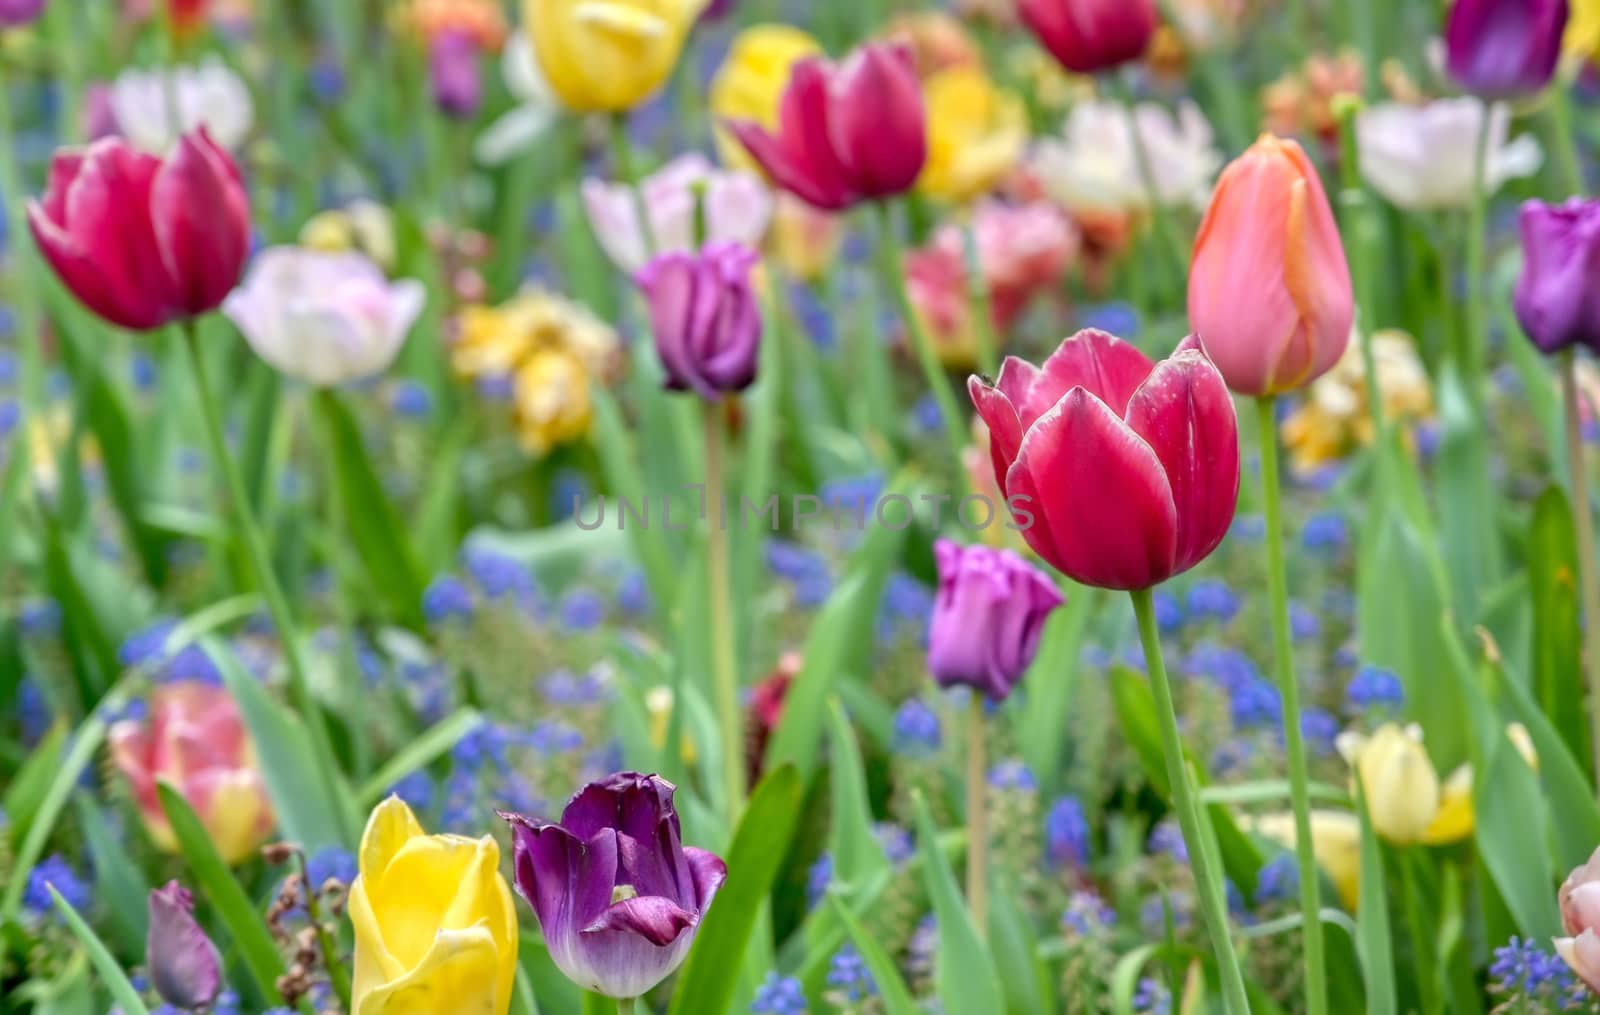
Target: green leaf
1564, 776
892, 990
1557, 630
370, 519
109, 969
85, 743
1026, 980
27, 791
858, 859
1125, 976
1052, 682
222, 890
1511, 827
418, 754
759, 846
1374, 946
117, 879
964, 974
622, 475
298, 789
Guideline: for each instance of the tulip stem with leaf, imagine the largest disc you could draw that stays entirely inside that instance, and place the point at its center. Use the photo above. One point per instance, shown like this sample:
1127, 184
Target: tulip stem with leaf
977, 817
1583, 519
1475, 336
1208, 884
724, 666
1360, 225
1316, 984
980, 304
261, 562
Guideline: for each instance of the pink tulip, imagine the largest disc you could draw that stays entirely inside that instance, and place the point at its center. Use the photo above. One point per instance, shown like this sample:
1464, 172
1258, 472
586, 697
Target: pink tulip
195, 739
1089, 36
143, 241
1580, 918
848, 133
1269, 289
1120, 472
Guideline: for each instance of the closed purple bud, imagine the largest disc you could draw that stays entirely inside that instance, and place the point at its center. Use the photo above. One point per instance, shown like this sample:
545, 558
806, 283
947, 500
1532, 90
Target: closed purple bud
16, 13
183, 964
617, 894
988, 617
705, 318
1501, 49
716, 10
1558, 293
453, 71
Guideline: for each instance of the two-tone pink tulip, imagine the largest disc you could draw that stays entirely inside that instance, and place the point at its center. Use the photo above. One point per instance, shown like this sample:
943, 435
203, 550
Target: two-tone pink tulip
847, 133
144, 241
1270, 297
1120, 472
1580, 918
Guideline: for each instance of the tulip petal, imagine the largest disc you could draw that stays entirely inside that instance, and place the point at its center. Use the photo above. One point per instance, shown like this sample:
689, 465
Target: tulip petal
390, 827
1184, 412
1000, 415
656, 919
202, 222
1103, 508
183, 964
707, 871
877, 123
1103, 365
459, 973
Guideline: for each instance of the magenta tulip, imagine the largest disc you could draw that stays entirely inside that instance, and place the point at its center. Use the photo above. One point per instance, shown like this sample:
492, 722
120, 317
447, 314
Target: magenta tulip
143, 241
848, 133
988, 618
1089, 36
1120, 472
705, 318
1558, 293
1503, 49
16, 13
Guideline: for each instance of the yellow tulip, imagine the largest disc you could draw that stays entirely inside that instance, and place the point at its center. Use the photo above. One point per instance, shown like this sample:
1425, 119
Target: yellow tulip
434, 923
1335, 842
607, 56
976, 134
1583, 31
750, 83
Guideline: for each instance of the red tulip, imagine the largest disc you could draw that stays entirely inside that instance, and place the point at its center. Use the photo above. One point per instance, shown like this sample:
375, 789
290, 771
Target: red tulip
1269, 290
1120, 472
847, 133
144, 241
1089, 36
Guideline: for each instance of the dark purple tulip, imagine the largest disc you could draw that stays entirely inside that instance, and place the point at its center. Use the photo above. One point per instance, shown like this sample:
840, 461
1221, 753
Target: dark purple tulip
716, 10
1558, 294
16, 13
183, 964
453, 72
1500, 49
617, 894
705, 318
988, 618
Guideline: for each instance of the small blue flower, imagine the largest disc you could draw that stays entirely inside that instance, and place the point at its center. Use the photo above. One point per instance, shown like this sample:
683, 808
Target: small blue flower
794, 562
446, 598
54, 870
1166, 839
331, 863
1279, 880
815, 317
10, 416
779, 995
848, 974
40, 618
1012, 774
927, 415
1169, 612
1250, 528
1152, 998
582, 609
1304, 624
416, 790
1228, 667
1086, 913
1213, 598
633, 593
1325, 534
1320, 728
1066, 833
818, 878
1255, 703
410, 400
896, 842
1373, 687
1115, 318
916, 729
142, 370
498, 575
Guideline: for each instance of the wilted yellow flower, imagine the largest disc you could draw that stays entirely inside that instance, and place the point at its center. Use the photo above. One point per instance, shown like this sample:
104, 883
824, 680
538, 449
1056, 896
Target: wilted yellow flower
363, 226
482, 20
1333, 420
550, 350
607, 56
976, 134
435, 927
1335, 842
751, 80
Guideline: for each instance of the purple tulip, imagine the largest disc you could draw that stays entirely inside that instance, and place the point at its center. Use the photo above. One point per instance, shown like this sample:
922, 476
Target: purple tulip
705, 318
1558, 298
183, 963
16, 13
617, 894
988, 617
1501, 49
453, 71
716, 10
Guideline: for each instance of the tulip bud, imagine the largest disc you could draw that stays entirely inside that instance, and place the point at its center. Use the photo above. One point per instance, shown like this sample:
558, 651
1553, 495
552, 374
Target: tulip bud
848, 133
1557, 298
16, 13
1269, 290
1580, 916
183, 963
323, 318
988, 618
453, 72
1158, 442
1089, 36
1501, 49
705, 318
1398, 780
617, 894
141, 241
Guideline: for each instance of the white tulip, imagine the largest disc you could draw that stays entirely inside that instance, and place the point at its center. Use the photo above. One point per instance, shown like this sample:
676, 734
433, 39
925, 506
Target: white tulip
1421, 157
210, 96
1094, 166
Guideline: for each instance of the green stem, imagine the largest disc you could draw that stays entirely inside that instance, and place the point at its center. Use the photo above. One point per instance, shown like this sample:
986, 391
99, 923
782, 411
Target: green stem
1583, 518
1475, 339
1289, 688
1207, 879
977, 818
630, 1006
24, 295
261, 562
1561, 140
724, 666
1299, 33
1360, 227
893, 268
338, 975
979, 306
628, 172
